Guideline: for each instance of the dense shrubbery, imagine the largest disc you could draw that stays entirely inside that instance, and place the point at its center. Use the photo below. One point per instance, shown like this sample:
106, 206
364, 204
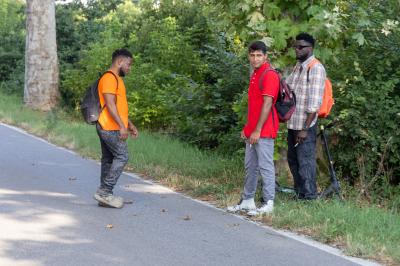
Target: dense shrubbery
368, 98
190, 72
179, 83
368, 111
12, 44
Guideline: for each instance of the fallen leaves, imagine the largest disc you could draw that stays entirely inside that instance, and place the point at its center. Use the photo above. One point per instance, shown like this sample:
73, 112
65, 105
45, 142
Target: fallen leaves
187, 218
267, 220
109, 226
233, 225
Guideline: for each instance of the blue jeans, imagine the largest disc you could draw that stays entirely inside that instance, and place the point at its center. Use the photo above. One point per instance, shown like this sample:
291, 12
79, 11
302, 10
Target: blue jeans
302, 163
114, 156
259, 159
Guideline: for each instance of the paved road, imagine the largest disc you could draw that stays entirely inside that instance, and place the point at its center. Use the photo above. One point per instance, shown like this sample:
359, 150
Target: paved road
48, 217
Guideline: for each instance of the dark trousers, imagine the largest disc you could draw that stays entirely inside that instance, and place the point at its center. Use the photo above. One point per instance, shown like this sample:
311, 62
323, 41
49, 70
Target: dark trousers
302, 163
114, 156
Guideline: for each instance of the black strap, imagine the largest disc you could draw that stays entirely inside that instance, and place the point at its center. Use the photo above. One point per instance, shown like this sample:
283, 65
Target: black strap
309, 68
264, 73
108, 71
273, 117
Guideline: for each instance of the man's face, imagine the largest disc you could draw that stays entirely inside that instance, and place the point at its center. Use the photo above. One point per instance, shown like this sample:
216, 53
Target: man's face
302, 49
257, 58
124, 64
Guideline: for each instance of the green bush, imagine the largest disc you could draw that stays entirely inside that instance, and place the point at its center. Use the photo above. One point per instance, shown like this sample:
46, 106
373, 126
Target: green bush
12, 45
367, 106
153, 94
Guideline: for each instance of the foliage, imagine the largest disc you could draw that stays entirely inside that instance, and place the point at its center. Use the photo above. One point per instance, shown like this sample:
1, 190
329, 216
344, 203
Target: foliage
278, 22
206, 114
86, 40
12, 42
368, 101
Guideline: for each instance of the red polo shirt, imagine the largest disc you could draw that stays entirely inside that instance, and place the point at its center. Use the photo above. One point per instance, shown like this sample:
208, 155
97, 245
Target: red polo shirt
269, 87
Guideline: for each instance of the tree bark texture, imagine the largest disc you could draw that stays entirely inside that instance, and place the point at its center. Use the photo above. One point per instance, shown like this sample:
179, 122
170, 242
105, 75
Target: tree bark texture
41, 62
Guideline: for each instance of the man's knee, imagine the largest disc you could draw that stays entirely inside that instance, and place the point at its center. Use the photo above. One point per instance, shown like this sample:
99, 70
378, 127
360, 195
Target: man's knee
124, 158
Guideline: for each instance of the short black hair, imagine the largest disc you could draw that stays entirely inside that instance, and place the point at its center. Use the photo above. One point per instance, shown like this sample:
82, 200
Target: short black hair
121, 52
258, 46
306, 37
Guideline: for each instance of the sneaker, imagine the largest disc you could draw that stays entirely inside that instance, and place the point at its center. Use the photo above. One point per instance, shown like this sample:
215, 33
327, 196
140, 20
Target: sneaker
100, 204
264, 209
246, 205
109, 201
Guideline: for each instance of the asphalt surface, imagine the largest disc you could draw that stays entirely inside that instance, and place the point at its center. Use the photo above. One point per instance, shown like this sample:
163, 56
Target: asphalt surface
48, 217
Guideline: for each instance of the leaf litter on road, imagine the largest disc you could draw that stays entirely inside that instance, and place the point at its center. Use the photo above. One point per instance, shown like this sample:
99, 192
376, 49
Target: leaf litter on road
233, 225
109, 226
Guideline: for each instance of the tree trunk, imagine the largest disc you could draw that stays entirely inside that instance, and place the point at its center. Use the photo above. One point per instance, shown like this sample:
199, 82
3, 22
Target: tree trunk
41, 63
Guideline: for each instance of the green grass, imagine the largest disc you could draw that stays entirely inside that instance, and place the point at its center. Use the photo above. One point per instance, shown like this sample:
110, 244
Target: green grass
358, 228
367, 232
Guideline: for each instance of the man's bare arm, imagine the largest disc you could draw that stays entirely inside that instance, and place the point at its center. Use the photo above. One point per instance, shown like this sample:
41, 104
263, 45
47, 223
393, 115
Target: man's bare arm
112, 109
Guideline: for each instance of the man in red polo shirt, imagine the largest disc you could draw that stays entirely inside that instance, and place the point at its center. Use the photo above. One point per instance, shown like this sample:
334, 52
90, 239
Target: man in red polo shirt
260, 131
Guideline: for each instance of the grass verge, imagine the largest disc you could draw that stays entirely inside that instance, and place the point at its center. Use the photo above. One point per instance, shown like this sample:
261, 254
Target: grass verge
362, 231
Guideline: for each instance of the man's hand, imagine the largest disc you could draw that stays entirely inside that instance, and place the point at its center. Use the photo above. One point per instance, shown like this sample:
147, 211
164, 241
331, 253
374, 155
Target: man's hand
301, 136
123, 133
242, 135
254, 137
133, 130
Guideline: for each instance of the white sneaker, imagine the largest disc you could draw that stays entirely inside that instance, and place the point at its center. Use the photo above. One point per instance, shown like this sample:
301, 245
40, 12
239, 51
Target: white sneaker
247, 205
109, 200
264, 209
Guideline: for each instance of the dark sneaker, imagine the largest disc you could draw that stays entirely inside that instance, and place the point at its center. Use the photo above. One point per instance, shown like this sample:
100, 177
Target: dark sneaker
109, 201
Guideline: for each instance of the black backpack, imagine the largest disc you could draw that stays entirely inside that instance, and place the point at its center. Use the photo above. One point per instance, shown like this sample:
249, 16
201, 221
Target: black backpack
90, 104
286, 103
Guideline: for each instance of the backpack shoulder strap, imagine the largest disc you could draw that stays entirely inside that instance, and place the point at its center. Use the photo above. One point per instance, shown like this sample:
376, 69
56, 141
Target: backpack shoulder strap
309, 66
263, 75
260, 86
108, 71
